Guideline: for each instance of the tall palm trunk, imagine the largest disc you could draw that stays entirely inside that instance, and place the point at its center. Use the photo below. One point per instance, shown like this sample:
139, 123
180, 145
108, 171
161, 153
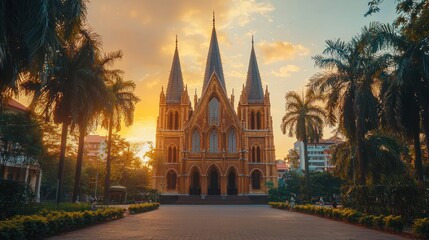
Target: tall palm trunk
307, 168
76, 189
418, 156
361, 160
60, 175
108, 157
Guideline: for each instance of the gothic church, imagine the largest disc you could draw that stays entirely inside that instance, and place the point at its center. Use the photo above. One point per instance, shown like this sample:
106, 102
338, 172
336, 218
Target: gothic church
210, 148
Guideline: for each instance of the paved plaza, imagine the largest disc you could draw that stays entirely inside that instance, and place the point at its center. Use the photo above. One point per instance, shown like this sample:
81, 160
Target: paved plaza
224, 222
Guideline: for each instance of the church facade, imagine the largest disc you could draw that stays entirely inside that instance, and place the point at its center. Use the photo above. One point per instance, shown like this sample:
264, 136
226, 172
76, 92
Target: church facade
208, 147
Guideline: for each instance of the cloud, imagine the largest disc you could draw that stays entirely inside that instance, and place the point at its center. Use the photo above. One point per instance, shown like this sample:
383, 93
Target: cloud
286, 71
281, 50
243, 10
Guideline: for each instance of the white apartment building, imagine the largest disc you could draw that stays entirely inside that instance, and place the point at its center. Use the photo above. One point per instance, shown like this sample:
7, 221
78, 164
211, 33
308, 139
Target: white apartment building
319, 154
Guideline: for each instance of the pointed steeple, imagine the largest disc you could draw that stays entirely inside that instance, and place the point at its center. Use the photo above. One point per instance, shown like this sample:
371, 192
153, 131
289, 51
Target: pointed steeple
175, 81
254, 90
214, 63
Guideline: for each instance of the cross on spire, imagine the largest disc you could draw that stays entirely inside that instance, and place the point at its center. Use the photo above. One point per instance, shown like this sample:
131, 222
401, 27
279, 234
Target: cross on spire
214, 19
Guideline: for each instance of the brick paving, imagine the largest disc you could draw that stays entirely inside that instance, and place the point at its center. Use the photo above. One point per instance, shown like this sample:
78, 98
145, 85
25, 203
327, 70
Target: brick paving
224, 222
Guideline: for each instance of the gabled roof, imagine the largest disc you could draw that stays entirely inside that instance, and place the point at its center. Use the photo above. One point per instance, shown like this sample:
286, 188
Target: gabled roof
206, 96
214, 62
175, 81
255, 93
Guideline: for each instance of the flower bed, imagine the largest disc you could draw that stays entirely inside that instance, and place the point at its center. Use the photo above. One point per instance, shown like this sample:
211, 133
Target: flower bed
421, 228
143, 207
390, 223
54, 222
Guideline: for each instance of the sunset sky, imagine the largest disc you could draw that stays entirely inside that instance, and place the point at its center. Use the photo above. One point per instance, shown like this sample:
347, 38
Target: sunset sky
287, 34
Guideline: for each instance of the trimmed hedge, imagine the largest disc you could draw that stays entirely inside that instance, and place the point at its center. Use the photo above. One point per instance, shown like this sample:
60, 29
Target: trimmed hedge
55, 222
421, 228
280, 205
390, 223
143, 207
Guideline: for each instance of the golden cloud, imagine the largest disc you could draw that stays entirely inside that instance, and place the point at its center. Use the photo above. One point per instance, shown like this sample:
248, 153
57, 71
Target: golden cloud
281, 50
286, 71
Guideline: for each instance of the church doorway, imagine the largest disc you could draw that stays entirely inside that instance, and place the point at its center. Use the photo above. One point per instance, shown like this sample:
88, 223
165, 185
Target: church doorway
195, 188
232, 186
213, 183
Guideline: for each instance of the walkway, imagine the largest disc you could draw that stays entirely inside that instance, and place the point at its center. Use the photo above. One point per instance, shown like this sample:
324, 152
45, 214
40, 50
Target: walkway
224, 222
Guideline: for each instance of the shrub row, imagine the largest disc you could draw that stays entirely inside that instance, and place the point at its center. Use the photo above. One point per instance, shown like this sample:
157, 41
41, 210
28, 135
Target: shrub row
143, 207
421, 228
52, 223
391, 223
280, 205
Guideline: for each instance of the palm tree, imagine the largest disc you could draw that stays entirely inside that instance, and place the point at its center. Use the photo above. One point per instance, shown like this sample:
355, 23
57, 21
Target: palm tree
385, 153
304, 119
353, 70
31, 31
90, 97
406, 95
121, 105
62, 94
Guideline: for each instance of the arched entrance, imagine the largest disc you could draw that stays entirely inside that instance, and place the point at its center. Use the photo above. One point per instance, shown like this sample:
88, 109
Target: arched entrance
195, 188
232, 186
213, 182
171, 180
256, 179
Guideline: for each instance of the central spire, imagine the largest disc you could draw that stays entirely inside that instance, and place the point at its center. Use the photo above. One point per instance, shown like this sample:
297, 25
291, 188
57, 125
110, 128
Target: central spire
214, 62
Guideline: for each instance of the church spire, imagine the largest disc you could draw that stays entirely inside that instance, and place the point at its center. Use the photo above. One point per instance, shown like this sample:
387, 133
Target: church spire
175, 81
214, 63
253, 88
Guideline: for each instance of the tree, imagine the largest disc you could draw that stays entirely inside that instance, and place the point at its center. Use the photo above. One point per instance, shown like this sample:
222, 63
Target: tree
21, 140
31, 32
121, 105
293, 158
406, 98
385, 153
304, 119
353, 70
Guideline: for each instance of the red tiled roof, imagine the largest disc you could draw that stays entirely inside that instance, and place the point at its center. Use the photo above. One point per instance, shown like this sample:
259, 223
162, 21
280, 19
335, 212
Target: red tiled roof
281, 166
94, 139
16, 105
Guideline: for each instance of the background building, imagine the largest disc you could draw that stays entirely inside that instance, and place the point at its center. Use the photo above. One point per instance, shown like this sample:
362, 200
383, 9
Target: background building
319, 154
95, 147
19, 169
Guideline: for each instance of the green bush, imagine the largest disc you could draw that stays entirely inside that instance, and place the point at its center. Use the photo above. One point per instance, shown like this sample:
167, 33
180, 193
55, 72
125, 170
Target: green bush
280, 205
15, 198
379, 222
41, 226
367, 220
421, 227
143, 207
394, 223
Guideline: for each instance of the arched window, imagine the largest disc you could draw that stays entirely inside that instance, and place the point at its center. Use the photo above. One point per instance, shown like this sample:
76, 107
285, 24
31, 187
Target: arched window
253, 155
256, 179
176, 121
252, 120
170, 121
258, 121
232, 146
196, 141
174, 159
258, 154
214, 112
213, 141
171, 180
170, 154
